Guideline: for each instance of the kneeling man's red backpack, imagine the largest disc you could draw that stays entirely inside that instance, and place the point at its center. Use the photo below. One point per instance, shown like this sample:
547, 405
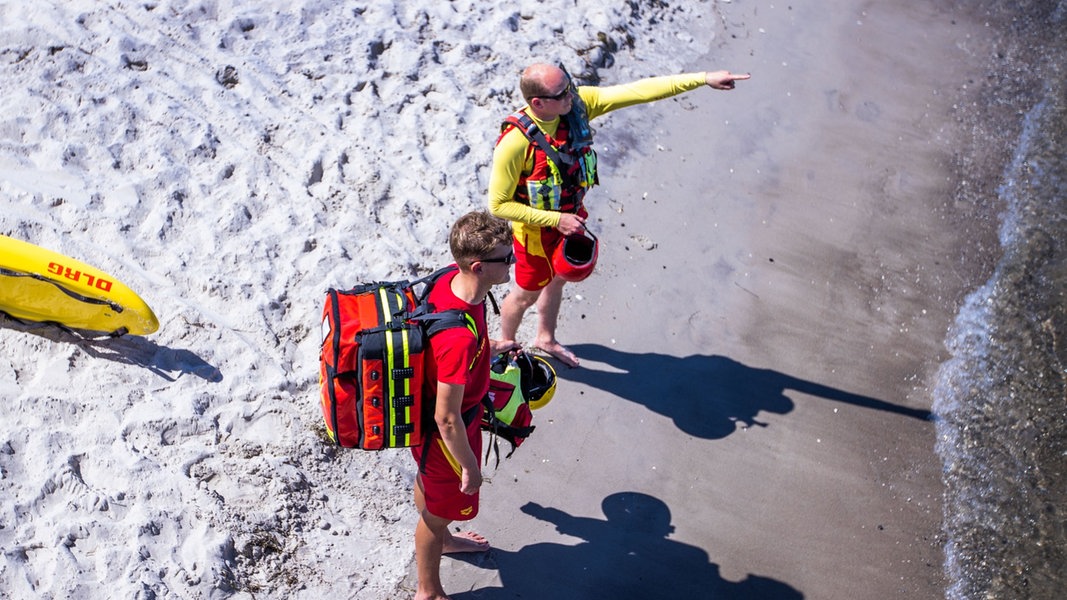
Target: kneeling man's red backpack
371, 362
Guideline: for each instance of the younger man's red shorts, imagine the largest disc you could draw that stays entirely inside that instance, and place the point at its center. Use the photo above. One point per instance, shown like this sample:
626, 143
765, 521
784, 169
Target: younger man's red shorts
440, 476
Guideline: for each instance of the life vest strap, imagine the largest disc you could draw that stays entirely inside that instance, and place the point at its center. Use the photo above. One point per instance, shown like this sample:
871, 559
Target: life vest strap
533, 133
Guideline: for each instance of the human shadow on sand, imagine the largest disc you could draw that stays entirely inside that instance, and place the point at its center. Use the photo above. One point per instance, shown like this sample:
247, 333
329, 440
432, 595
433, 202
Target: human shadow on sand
168, 363
627, 556
707, 396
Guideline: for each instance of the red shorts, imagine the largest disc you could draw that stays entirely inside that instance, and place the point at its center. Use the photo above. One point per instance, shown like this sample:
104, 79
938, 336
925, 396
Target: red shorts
533, 255
441, 479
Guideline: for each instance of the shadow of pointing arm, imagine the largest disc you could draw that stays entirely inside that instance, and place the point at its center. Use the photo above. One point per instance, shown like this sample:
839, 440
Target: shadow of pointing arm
830, 393
733, 380
565, 523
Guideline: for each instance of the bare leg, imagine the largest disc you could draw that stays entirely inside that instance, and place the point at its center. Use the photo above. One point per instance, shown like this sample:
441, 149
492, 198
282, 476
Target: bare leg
515, 305
548, 301
430, 534
420, 494
548, 309
464, 541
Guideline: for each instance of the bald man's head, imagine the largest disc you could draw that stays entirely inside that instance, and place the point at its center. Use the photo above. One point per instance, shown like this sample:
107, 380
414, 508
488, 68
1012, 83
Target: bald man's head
542, 79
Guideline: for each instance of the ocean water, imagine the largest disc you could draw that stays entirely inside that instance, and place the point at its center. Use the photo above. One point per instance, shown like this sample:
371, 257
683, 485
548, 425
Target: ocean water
1001, 399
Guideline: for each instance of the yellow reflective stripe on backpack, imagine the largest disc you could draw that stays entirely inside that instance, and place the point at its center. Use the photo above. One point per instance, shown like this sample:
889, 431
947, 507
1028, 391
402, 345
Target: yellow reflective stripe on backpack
397, 356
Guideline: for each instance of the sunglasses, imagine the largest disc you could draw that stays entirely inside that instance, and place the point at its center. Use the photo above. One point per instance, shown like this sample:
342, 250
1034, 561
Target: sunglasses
507, 260
559, 96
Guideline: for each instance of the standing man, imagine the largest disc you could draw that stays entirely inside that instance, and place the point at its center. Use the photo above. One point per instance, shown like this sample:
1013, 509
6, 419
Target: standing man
446, 488
540, 189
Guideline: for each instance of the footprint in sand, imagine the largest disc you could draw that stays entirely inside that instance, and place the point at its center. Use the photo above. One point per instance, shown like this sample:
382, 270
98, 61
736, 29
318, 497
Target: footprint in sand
644, 242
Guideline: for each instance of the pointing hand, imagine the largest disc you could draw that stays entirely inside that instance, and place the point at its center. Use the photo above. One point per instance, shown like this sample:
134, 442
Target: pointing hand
724, 80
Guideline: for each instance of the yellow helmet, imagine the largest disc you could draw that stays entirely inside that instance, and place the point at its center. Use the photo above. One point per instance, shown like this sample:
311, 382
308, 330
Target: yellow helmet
536, 379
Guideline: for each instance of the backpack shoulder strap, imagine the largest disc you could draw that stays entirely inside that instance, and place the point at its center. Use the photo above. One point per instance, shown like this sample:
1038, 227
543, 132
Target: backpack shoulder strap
430, 280
435, 322
448, 319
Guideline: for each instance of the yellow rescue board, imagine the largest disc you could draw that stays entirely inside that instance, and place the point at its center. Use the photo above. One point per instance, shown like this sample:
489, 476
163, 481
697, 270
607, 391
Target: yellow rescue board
37, 284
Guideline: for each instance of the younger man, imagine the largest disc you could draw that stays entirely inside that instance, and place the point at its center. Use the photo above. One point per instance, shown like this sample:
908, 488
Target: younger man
446, 488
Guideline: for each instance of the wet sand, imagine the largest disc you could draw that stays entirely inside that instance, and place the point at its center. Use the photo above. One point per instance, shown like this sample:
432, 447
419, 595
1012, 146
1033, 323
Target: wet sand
779, 267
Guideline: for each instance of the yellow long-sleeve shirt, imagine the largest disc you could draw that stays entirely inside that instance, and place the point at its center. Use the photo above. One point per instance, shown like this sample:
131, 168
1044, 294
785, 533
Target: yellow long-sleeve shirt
510, 156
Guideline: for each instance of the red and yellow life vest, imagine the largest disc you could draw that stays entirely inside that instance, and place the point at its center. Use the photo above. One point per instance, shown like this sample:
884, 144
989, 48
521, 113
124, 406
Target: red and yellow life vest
561, 174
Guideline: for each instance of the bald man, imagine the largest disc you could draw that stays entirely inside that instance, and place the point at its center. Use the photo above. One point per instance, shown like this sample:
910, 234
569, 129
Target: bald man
543, 165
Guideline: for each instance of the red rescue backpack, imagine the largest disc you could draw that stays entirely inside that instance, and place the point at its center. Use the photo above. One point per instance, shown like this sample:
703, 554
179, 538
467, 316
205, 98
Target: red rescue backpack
371, 361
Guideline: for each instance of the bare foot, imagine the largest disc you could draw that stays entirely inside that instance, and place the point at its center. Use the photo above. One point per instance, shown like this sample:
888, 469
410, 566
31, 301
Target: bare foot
557, 351
465, 541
